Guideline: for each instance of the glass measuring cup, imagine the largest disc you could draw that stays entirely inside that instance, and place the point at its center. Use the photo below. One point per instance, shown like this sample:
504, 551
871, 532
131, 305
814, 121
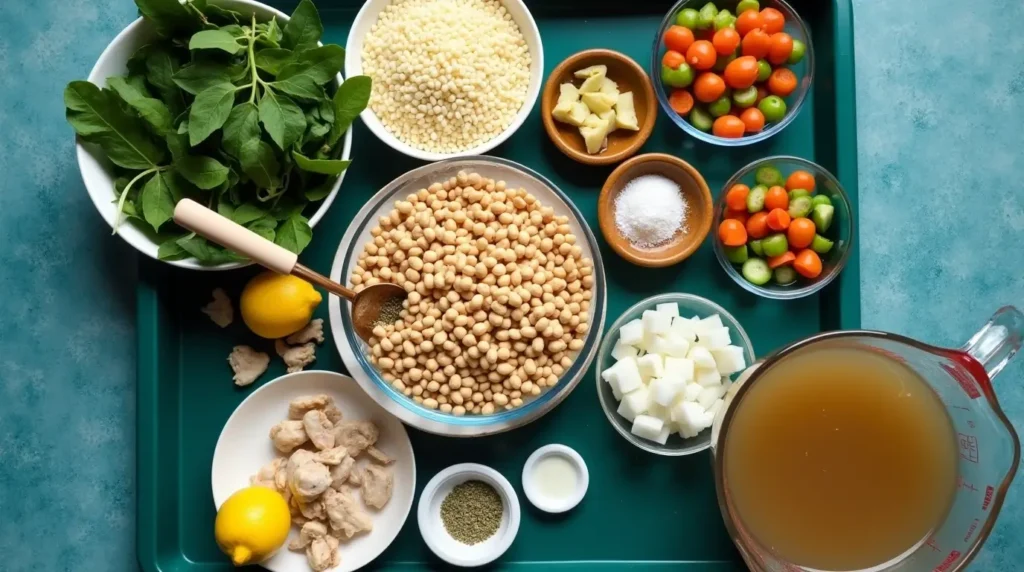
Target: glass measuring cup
988, 446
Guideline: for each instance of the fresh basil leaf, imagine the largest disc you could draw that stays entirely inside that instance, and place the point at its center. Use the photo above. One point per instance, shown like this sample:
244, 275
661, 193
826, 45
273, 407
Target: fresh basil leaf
260, 164
152, 110
349, 101
246, 213
203, 172
322, 166
264, 227
205, 252
300, 87
177, 143
183, 127
317, 131
157, 202
241, 126
325, 108
235, 30
320, 191
98, 118
282, 119
209, 111
303, 29
161, 65
274, 32
222, 16
321, 64
179, 186
167, 16
202, 74
215, 40
137, 62
270, 60
225, 209
294, 233
171, 250
287, 205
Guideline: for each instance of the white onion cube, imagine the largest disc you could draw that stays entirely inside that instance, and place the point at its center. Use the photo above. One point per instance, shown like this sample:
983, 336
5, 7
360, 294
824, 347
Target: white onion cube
687, 414
728, 360
707, 378
679, 368
675, 345
633, 404
656, 322
622, 350
647, 427
716, 406
651, 365
707, 419
716, 338
608, 375
631, 333
659, 411
664, 390
709, 395
627, 376
691, 391
701, 357
710, 323
659, 345
662, 437
615, 391
669, 308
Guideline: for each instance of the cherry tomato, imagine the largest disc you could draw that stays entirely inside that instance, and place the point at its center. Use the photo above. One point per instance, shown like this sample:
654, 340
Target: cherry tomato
741, 73
808, 264
732, 233
776, 198
753, 119
726, 41
757, 225
800, 180
781, 47
740, 215
701, 55
680, 101
708, 87
747, 21
778, 219
678, 38
728, 126
782, 82
673, 59
736, 198
773, 20
756, 43
762, 92
800, 233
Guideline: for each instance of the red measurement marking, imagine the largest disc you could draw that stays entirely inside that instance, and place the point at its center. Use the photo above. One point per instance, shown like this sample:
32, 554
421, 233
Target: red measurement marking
989, 493
946, 564
971, 529
968, 447
966, 380
964, 485
931, 544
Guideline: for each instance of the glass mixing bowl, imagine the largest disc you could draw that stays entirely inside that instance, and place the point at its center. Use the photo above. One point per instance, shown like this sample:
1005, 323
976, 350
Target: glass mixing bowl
804, 70
841, 232
354, 351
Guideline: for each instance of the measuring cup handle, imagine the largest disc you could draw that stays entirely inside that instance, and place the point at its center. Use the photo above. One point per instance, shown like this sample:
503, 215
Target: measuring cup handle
219, 229
998, 340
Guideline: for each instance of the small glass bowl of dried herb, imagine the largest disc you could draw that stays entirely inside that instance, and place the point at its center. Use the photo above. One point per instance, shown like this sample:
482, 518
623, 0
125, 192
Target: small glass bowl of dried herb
468, 514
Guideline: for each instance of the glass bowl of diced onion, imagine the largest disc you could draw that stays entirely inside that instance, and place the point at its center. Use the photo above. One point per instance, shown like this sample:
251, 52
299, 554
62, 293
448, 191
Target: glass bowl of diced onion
688, 340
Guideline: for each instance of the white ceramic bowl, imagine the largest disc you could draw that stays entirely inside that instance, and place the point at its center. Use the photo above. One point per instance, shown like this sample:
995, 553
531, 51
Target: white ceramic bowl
533, 492
433, 530
244, 446
365, 20
97, 170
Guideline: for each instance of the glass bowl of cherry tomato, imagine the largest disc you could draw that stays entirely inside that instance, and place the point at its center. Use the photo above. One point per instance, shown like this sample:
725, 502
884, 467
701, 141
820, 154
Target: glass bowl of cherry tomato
783, 227
732, 72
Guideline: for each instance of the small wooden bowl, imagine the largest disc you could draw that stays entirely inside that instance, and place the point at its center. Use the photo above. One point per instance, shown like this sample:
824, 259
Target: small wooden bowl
699, 211
622, 144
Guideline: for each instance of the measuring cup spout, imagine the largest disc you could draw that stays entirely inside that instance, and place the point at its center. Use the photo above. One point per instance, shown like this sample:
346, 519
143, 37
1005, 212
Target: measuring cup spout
998, 340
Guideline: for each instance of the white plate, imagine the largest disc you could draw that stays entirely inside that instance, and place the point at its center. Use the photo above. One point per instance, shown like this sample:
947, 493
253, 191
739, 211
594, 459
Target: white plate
98, 172
428, 516
365, 20
244, 446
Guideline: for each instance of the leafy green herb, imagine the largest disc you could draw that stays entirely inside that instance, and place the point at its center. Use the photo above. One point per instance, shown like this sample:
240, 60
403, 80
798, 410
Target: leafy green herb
239, 115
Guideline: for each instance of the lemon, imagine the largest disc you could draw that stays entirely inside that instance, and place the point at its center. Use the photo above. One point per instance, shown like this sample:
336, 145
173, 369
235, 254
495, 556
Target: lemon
278, 305
252, 524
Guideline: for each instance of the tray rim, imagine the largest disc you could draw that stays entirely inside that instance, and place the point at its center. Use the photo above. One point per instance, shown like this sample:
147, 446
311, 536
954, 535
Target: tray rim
148, 331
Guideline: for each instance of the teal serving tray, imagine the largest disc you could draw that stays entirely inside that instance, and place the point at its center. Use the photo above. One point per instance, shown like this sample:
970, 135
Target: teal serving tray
642, 511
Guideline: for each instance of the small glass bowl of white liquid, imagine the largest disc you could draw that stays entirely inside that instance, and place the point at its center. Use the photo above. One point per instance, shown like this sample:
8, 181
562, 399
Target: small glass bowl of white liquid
555, 478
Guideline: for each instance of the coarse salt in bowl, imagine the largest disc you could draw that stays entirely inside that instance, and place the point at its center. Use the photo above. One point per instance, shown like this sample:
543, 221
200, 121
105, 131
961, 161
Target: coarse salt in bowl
367, 20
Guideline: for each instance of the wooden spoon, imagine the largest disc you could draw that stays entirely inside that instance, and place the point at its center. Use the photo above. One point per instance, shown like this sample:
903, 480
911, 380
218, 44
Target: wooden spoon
366, 304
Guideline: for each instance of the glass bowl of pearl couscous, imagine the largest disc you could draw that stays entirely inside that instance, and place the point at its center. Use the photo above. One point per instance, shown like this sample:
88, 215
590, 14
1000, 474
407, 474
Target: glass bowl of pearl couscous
450, 79
507, 296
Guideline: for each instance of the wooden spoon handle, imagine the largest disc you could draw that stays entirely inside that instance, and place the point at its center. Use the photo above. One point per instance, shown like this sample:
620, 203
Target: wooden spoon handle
322, 281
234, 236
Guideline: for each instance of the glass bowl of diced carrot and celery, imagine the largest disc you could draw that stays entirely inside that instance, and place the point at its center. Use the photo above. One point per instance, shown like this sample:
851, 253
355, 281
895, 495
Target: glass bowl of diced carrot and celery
783, 227
732, 72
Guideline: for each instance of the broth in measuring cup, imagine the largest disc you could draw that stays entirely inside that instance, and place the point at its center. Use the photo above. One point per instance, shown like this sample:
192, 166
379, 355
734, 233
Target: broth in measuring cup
840, 459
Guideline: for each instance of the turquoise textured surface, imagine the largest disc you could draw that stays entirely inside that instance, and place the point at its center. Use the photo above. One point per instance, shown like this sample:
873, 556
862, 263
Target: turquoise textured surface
939, 128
